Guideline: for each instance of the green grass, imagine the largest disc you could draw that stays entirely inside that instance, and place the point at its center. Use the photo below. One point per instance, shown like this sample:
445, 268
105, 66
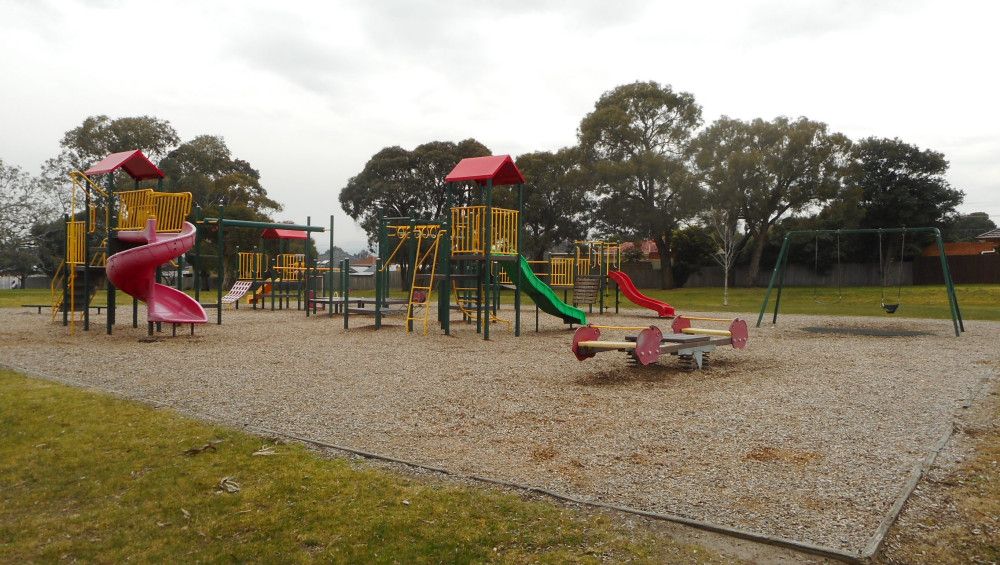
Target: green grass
978, 302
94, 478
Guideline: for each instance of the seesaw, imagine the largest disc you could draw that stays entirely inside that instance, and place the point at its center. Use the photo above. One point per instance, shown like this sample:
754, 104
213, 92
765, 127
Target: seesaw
690, 344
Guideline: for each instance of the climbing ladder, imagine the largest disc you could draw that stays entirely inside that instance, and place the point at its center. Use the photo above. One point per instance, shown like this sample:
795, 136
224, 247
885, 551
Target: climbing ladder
418, 307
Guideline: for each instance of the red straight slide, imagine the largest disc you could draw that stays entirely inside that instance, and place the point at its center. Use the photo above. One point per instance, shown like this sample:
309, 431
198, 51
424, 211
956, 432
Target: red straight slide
134, 272
628, 288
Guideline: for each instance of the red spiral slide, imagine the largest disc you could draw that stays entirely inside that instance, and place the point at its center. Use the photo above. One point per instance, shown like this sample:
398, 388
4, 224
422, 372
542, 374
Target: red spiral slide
134, 272
628, 288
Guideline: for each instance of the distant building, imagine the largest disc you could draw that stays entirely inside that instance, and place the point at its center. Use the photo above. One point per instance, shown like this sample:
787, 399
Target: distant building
957, 248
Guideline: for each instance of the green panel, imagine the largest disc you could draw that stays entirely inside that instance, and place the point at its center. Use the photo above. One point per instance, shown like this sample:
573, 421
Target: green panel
542, 294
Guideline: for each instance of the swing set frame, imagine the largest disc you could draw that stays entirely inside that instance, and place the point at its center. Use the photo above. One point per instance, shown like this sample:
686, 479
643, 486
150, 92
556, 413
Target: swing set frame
778, 274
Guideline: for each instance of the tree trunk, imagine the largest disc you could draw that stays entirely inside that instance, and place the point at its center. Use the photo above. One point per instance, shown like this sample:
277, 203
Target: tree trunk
666, 272
760, 241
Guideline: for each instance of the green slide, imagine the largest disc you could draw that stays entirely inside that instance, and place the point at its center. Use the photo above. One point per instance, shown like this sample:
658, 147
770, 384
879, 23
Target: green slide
542, 294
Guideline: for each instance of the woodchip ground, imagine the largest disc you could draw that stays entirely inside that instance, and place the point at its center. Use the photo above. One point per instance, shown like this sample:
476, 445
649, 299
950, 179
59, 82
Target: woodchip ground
804, 435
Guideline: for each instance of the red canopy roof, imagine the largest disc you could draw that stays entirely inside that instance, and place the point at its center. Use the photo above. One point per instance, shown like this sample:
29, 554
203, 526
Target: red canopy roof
500, 168
134, 162
274, 233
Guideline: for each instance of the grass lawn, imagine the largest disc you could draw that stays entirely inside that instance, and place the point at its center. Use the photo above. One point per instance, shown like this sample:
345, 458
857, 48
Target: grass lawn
94, 478
978, 302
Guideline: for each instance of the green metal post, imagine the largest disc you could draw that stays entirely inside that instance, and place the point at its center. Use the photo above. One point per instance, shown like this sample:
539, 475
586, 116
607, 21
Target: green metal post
328, 289
221, 246
488, 253
345, 273
66, 274
949, 286
108, 234
518, 281
774, 278
781, 288
445, 293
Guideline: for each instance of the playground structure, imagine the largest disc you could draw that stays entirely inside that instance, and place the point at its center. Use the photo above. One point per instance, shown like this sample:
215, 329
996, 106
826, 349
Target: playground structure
145, 230
778, 274
470, 253
142, 229
692, 345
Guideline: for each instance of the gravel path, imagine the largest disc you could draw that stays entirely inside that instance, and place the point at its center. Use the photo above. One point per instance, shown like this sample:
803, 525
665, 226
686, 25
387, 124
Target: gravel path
803, 435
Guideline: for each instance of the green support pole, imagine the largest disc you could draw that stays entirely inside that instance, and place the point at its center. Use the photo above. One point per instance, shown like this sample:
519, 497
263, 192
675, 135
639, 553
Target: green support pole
308, 273
66, 274
518, 281
108, 234
196, 273
949, 286
445, 293
488, 253
328, 289
379, 295
413, 272
345, 273
781, 288
221, 246
774, 278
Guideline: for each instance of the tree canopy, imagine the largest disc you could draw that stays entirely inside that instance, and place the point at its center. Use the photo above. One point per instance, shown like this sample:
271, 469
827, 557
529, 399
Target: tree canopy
555, 200
634, 148
396, 182
771, 169
901, 184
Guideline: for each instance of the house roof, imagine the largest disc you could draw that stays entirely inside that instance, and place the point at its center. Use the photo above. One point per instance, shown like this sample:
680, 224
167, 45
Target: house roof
500, 168
132, 162
954, 248
275, 233
992, 234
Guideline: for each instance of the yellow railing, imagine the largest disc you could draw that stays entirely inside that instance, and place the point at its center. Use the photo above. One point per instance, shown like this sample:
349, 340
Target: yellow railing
561, 271
169, 208
172, 208
135, 207
468, 227
74, 242
289, 266
252, 265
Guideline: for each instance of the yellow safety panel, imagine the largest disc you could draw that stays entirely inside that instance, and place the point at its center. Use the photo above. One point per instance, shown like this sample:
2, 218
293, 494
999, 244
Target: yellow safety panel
468, 229
171, 209
561, 272
252, 265
134, 208
75, 232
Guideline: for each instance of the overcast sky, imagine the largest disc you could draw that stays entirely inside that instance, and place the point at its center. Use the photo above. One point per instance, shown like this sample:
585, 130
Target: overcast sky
308, 91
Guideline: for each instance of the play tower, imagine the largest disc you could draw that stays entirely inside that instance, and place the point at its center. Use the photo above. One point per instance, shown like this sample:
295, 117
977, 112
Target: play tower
465, 252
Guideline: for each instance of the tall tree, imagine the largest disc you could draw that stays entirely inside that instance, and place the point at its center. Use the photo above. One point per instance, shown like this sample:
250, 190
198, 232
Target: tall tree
17, 205
634, 146
99, 136
555, 200
773, 168
964, 227
206, 167
397, 182
902, 185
